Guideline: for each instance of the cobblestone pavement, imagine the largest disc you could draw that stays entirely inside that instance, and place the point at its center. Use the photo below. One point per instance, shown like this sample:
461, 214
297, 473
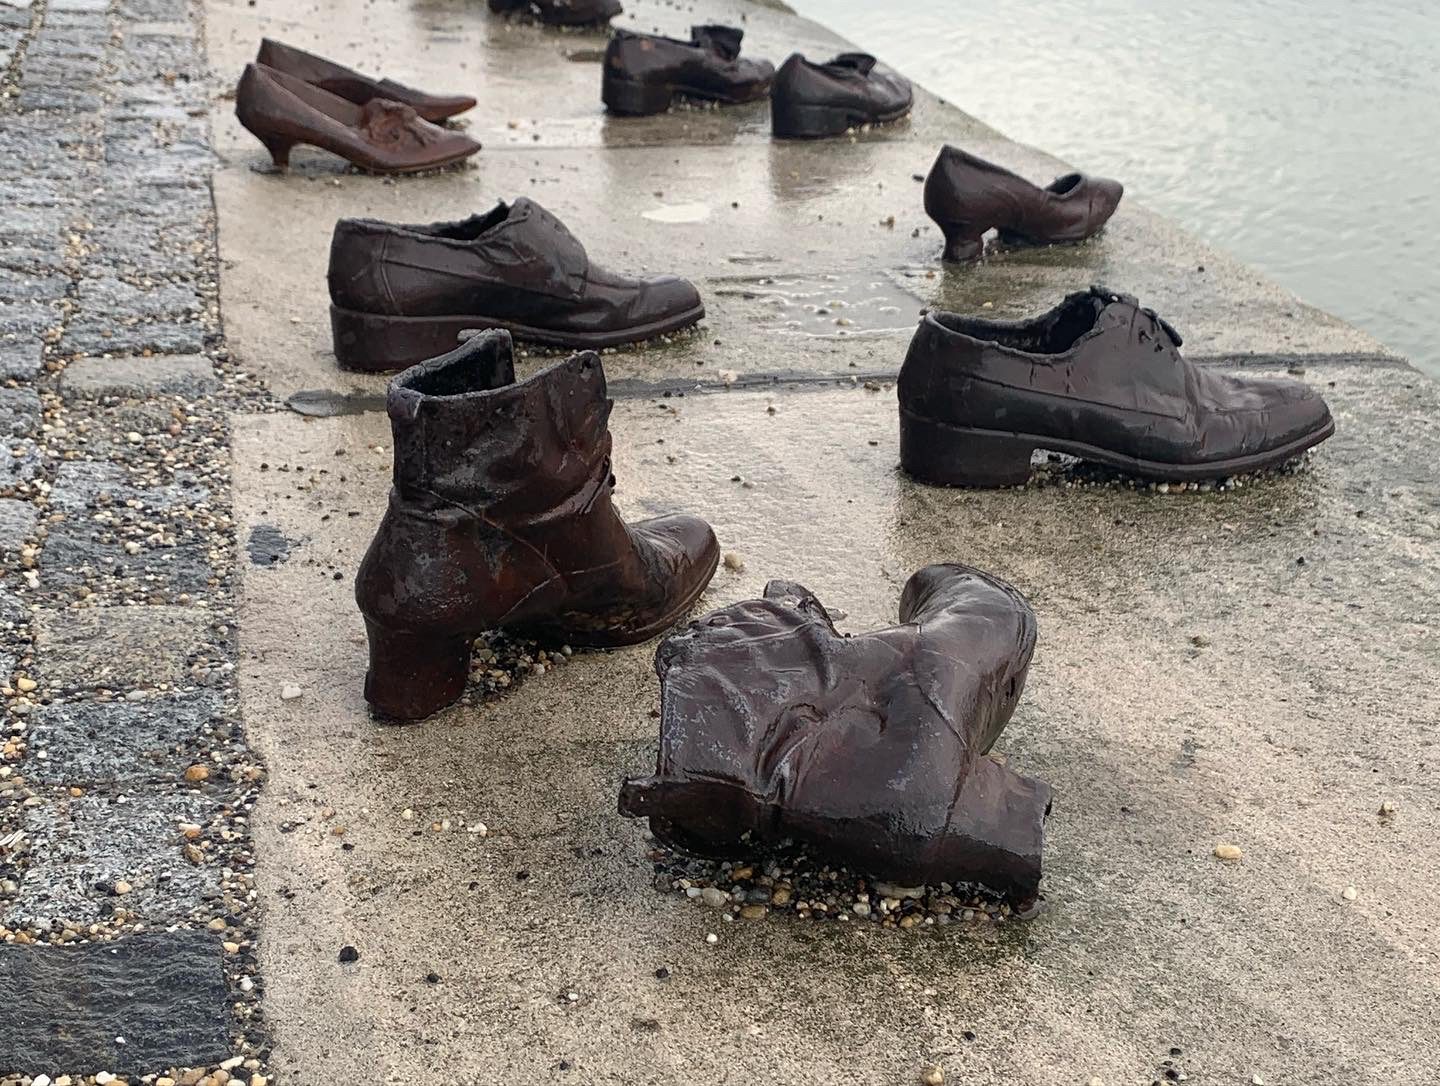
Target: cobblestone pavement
126, 900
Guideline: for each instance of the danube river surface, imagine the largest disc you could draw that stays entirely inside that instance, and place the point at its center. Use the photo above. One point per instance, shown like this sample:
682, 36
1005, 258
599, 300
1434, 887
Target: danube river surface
1303, 137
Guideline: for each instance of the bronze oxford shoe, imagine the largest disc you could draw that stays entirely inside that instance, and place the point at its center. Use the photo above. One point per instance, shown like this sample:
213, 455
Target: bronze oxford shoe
1098, 377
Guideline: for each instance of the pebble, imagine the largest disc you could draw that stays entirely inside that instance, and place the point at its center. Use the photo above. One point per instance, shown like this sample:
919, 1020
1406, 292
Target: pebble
891, 890
289, 692
197, 773
121, 886
1386, 808
1228, 852
734, 562
348, 954
712, 938
934, 1075
1349, 893
716, 899
1095, 1080
780, 897
24, 684
753, 912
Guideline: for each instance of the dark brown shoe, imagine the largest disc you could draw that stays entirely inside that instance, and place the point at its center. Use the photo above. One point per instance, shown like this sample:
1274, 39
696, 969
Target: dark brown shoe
868, 750
401, 294
968, 196
561, 12
644, 73
381, 136
811, 101
354, 87
500, 518
1098, 377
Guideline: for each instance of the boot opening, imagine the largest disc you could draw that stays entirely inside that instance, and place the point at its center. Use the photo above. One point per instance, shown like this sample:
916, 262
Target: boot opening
483, 363
1061, 185
466, 229
1054, 332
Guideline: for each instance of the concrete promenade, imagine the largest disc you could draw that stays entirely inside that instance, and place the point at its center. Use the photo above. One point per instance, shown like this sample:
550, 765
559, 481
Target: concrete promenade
1255, 665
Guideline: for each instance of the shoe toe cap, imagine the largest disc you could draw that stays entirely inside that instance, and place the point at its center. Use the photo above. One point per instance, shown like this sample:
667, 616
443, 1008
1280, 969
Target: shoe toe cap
665, 297
685, 543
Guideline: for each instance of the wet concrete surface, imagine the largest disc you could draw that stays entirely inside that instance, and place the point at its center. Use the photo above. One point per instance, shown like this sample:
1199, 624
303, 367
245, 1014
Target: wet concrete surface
1196, 682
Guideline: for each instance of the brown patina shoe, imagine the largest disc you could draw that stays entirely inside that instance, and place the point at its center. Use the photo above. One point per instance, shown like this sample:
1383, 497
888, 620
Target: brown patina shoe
866, 750
968, 196
354, 87
811, 101
561, 12
644, 73
381, 136
400, 294
1098, 377
500, 518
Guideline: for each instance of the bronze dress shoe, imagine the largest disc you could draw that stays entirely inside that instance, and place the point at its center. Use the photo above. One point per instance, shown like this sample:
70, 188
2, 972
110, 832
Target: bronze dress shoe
810, 101
381, 136
644, 73
400, 294
868, 750
968, 196
500, 518
561, 12
354, 87
1098, 377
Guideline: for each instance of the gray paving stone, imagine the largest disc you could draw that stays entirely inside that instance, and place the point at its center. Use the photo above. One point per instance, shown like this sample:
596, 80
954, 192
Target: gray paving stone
124, 742
81, 484
82, 552
29, 286
25, 318
99, 334
100, 6
17, 523
190, 375
120, 648
81, 844
12, 611
121, 301
161, 993
20, 462
19, 412
19, 358
69, 99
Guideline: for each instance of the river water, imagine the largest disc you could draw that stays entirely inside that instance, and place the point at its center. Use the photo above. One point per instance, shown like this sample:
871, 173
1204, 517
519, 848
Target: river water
1303, 136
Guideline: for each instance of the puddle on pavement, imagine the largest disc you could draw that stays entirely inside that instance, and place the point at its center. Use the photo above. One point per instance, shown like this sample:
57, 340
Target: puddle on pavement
827, 306
677, 213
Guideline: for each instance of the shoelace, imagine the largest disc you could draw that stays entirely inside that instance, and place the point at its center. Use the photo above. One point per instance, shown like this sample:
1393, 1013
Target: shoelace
1108, 296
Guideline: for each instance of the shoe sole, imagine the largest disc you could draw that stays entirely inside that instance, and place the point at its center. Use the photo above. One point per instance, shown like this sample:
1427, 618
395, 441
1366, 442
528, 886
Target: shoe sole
632, 98
944, 455
800, 122
377, 343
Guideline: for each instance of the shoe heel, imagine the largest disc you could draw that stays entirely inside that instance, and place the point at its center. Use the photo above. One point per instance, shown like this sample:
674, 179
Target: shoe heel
797, 122
412, 675
954, 456
964, 241
631, 98
279, 148
378, 343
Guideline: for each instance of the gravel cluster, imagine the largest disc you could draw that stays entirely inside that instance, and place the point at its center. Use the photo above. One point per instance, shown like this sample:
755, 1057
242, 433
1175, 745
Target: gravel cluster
785, 881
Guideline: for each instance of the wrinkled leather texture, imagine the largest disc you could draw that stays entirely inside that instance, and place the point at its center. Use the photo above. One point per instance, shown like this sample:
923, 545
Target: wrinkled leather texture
354, 87
517, 263
561, 12
869, 750
852, 81
1121, 385
500, 515
381, 135
963, 188
709, 66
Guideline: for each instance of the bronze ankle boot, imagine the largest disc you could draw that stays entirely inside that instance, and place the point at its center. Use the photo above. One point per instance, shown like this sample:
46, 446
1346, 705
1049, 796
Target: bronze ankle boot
868, 750
500, 517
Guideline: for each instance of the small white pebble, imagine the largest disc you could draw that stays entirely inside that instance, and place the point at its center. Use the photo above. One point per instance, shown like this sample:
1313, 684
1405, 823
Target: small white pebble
289, 692
712, 938
1228, 852
1349, 893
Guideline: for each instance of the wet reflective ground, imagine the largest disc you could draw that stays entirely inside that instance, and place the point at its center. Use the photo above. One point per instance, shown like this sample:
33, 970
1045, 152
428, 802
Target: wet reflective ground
1300, 136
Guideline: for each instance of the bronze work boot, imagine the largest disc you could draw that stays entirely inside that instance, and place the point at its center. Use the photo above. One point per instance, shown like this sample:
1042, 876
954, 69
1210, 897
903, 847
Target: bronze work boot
866, 750
500, 518
382, 136
967, 196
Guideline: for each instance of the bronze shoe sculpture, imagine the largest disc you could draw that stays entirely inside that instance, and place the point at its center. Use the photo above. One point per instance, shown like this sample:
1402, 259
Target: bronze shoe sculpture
812, 101
1098, 377
500, 518
644, 73
381, 136
561, 12
869, 751
402, 293
354, 87
967, 196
